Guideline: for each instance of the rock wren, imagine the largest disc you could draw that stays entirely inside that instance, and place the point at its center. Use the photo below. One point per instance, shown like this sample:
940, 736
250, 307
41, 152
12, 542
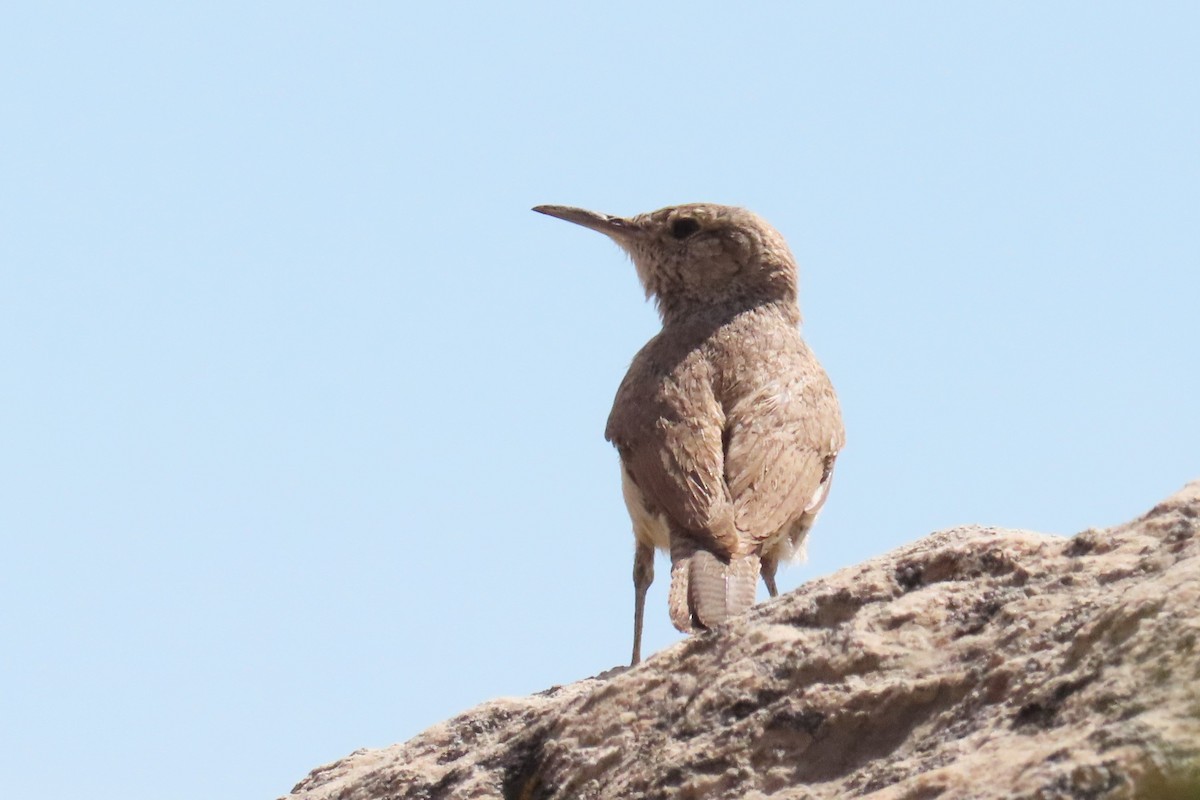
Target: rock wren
726, 425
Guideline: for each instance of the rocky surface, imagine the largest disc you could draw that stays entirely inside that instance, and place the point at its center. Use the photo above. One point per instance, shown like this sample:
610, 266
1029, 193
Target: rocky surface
975, 663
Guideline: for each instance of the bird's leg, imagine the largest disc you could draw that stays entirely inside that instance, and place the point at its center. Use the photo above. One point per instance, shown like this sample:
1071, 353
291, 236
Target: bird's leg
769, 566
643, 576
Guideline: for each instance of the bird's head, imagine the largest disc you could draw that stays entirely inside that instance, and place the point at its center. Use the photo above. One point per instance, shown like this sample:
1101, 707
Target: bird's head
698, 255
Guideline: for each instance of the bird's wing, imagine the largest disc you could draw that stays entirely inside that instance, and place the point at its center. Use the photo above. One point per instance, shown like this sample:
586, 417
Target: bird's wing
782, 439
669, 436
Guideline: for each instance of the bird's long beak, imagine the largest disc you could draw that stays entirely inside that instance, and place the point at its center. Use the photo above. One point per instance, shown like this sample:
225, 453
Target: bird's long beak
616, 228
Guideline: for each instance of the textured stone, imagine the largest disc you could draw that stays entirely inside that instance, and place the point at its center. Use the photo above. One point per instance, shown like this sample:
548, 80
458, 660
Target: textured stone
975, 663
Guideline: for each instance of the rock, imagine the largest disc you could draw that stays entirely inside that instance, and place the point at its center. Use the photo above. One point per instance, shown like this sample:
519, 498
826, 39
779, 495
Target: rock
975, 663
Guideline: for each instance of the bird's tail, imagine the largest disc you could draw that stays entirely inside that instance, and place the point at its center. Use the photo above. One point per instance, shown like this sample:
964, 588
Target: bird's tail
706, 589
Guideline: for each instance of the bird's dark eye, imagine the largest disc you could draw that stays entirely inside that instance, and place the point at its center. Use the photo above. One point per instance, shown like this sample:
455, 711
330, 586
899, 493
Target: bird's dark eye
684, 227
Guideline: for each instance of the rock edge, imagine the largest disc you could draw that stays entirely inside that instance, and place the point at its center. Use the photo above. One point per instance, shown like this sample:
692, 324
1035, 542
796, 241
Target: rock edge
976, 662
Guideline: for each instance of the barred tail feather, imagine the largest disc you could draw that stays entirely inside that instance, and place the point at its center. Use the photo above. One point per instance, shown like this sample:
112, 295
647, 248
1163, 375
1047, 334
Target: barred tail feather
705, 589
683, 549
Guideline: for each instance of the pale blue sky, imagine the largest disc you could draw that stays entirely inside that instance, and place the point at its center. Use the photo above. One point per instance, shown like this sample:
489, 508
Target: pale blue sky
302, 444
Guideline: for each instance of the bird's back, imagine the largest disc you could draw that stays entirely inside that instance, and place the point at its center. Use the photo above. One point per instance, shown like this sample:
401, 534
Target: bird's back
724, 430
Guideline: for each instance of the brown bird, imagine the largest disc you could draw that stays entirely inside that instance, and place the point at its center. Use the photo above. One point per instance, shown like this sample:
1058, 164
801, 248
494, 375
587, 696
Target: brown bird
726, 424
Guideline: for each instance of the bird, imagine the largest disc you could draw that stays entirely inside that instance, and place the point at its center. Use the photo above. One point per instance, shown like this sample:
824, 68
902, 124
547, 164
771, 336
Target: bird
726, 425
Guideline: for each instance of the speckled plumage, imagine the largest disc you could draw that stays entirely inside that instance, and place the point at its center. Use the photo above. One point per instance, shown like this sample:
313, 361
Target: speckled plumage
726, 424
